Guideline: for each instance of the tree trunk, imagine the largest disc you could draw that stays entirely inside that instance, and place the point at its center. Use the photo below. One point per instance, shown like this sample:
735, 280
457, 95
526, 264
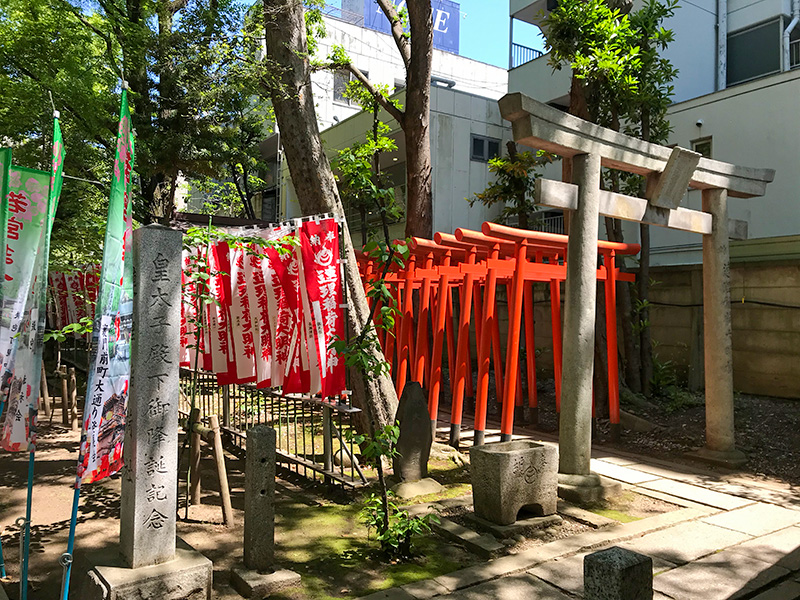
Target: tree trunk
314, 182
625, 308
419, 206
643, 282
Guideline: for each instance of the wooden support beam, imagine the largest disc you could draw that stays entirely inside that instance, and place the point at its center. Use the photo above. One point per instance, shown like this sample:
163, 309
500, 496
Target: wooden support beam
557, 194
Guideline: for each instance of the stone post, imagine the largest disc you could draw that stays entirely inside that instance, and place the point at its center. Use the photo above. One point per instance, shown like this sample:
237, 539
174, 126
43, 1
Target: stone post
259, 499
259, 577
149, 491
575, 427
617, 574
718, 348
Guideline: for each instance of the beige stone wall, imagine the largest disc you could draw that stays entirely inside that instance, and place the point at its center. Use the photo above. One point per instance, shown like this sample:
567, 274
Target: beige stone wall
766, 334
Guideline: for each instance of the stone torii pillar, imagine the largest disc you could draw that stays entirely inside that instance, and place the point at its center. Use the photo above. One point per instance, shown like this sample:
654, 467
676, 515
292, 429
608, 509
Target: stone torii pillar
670, 171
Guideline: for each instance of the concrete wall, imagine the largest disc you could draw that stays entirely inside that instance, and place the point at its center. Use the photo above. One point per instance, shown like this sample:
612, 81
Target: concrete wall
766, 333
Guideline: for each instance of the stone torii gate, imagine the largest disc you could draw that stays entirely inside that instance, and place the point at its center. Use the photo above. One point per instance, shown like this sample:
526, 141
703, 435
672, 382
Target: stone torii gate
669, 172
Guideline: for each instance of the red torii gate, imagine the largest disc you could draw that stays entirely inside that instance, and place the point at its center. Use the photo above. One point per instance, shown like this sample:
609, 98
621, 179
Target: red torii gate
469, 262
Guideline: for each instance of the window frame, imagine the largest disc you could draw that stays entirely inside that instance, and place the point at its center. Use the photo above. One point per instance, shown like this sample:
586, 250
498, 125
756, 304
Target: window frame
485, 156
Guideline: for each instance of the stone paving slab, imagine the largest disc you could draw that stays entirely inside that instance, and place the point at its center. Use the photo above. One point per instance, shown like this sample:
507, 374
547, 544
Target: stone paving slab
667, 497
685, 542
518, 587
484, 546
697, 494
717, 577
621, 473
781, 548
427, 588
671, 472
756, 519
788, 590
614, 459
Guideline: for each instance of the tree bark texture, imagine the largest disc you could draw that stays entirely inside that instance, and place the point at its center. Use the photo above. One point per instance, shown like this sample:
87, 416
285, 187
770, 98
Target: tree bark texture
416, 125
314, 182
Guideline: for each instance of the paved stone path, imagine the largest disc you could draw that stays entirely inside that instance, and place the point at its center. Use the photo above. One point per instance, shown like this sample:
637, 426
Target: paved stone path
736, 537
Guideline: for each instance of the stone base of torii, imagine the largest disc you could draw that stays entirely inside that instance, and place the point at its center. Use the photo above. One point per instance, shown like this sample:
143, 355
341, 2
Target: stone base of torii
670, 172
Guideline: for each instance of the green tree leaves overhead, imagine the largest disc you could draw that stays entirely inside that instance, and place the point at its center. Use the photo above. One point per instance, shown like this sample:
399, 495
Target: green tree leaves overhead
192, 68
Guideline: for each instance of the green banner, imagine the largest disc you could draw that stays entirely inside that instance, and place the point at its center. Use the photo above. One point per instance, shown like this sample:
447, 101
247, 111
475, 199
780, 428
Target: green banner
110, 366
38, 191
5, 166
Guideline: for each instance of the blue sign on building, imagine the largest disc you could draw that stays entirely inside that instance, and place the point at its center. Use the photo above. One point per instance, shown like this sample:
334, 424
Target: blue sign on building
446, 22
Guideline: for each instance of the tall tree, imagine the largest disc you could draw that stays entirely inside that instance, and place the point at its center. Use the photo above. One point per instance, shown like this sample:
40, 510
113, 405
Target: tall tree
416, 51
179, 58
621, 81
293, 103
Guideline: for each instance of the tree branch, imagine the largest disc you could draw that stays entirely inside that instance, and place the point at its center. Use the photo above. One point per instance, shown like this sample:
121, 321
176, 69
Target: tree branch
385, 103
400, 39
109, 48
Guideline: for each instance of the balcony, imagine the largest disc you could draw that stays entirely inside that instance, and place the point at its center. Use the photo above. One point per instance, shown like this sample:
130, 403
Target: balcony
536, 78
522, 54
794, 54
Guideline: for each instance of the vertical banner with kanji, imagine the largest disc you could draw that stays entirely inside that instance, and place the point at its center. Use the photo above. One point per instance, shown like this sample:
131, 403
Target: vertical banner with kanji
23, 326
319, 242
5, 167
110, 367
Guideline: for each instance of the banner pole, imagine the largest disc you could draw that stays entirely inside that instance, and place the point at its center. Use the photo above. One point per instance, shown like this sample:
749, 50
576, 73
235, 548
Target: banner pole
66, 558
23, 578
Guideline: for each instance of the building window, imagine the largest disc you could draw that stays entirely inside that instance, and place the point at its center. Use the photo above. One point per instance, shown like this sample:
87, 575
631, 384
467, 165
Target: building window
702, 146
754, 52
483, 148
340, 80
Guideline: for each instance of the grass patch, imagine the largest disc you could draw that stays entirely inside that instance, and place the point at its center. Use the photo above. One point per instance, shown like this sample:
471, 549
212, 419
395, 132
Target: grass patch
329, 546
617, 515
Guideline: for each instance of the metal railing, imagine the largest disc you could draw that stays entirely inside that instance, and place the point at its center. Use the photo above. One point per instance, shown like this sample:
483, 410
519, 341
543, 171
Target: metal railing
549, 224
522, 54
310, 432
794, 54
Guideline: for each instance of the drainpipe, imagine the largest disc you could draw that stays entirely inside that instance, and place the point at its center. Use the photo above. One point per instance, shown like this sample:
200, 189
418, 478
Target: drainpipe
787, 34
722, 44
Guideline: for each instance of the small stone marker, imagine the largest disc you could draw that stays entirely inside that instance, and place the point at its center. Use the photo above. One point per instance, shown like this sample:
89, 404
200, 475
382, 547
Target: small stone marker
260, 577
259, 499
617, 574
149, 493
414, 443
508, 476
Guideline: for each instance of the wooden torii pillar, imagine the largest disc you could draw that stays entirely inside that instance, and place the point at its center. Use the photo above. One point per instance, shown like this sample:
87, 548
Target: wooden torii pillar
670, 171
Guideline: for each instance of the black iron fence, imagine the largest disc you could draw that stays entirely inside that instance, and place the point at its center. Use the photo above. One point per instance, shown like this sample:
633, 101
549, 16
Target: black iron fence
311, 434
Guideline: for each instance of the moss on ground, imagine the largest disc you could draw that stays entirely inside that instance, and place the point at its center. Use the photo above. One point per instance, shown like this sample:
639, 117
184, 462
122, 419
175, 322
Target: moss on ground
328, 545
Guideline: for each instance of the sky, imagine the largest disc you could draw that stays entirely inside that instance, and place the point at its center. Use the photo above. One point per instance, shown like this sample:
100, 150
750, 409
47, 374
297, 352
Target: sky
484, 31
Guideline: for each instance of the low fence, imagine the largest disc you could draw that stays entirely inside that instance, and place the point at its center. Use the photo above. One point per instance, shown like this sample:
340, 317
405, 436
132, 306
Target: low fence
311, 433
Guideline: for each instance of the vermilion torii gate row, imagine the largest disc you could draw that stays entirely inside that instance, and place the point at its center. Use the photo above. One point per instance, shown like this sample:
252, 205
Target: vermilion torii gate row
475, 264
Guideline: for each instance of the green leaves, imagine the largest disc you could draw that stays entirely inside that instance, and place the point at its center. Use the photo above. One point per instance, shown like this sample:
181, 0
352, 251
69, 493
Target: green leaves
82, 327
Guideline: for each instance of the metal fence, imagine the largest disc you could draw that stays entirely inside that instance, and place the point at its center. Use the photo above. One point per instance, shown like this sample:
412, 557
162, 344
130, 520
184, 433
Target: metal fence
310, 432
522, 54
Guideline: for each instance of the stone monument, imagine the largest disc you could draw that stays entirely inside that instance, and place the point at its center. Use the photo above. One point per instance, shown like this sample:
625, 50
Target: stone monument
509, 476
259, 576
150, 565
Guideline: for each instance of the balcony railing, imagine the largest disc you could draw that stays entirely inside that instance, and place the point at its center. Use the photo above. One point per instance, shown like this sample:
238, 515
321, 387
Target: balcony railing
794, 54
522, 54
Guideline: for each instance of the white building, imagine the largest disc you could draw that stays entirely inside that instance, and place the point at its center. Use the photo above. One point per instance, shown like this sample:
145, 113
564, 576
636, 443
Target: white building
737, 99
